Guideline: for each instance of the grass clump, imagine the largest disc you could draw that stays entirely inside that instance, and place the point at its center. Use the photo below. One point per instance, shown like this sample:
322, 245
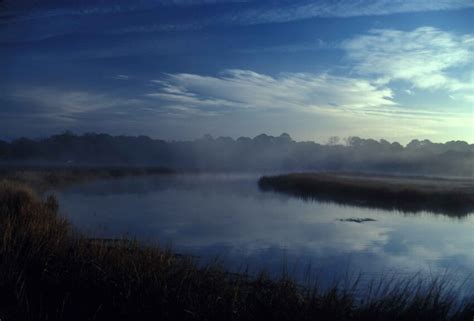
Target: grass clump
49, 272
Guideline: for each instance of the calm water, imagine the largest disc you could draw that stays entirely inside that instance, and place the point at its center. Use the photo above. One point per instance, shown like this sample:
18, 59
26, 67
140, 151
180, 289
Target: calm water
226, 216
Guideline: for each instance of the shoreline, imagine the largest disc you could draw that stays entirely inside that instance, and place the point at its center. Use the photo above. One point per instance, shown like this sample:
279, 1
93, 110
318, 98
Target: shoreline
48, 271
454, 197
42, 178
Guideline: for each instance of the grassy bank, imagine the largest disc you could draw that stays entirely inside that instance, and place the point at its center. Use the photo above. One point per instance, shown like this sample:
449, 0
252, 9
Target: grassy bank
408, 194
49, 272
41, 178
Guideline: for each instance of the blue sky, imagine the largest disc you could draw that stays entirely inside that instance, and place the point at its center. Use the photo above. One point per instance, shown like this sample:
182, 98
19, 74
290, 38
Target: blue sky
179, 69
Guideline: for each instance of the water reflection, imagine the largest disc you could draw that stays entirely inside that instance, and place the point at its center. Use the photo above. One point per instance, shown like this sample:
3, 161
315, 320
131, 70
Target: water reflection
227, 216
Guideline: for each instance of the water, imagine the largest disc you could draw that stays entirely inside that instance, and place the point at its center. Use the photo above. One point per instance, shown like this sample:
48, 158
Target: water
228, 217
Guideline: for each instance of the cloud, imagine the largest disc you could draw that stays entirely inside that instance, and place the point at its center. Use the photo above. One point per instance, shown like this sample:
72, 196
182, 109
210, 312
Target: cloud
67, 105
316, 45
288, 91
422, 57
468, 97
249, 12
254, 12
25, 10
121, 77
285, 12
156, 28
307, 103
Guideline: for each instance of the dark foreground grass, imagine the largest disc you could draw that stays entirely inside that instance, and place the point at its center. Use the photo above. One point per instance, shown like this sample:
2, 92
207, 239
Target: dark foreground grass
48, 272
447, 196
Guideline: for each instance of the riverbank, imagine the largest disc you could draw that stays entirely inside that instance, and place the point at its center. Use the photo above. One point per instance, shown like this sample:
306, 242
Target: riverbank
453, 197
50, 272
41, 178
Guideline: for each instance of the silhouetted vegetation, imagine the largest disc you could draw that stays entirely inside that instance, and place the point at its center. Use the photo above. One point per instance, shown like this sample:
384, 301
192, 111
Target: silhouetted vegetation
408, 194
49, 177
245, 154
48, 272
357, 219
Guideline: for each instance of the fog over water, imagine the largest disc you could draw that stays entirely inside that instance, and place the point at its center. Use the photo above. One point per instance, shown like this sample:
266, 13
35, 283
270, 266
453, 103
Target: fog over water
228, 217
244, 154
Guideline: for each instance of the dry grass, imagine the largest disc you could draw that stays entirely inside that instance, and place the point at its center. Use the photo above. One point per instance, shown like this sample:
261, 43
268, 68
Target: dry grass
48, 272
42, 178
451, 197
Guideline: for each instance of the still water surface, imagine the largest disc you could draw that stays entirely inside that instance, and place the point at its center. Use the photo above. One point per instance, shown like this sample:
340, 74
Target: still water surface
228, 217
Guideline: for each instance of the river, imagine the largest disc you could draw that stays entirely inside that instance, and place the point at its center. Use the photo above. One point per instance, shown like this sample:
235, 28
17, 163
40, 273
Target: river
227, 217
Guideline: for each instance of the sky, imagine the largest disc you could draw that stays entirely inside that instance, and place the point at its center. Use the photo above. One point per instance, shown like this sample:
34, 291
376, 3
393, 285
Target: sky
180, 69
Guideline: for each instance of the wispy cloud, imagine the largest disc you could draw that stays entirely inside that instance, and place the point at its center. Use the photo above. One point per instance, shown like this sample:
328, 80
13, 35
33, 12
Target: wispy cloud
249, 12
255, 12
67, 105
26, 10
121, 77
287, 91
290, 11
316, 45
148, 28
422, 57
353, 105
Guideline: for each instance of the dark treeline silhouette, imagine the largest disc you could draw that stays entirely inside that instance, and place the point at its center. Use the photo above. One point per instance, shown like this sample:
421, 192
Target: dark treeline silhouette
262, 152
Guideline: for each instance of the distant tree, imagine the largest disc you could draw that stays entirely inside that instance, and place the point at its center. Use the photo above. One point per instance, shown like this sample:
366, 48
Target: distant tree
244, 140
414, 144
333, 140
457, 145
384, 143
263, 139
225, 140
285, 138
396, 147
354, 141
207, 137
264, 152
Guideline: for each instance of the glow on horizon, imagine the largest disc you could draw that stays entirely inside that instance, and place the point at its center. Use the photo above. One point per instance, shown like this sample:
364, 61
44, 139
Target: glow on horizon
395, 72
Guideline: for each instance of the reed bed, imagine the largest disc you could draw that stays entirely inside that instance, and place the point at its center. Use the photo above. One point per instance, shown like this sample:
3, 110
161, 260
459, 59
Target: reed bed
453, 197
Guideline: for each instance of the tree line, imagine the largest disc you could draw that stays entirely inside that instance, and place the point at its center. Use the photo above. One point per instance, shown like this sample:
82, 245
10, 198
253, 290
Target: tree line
261, 153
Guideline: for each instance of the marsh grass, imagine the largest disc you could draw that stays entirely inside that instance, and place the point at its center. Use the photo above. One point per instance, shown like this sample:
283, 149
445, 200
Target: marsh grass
43, 178
50, 272
450, 197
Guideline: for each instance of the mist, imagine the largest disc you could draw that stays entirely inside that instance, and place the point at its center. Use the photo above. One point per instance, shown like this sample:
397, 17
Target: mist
262, 153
